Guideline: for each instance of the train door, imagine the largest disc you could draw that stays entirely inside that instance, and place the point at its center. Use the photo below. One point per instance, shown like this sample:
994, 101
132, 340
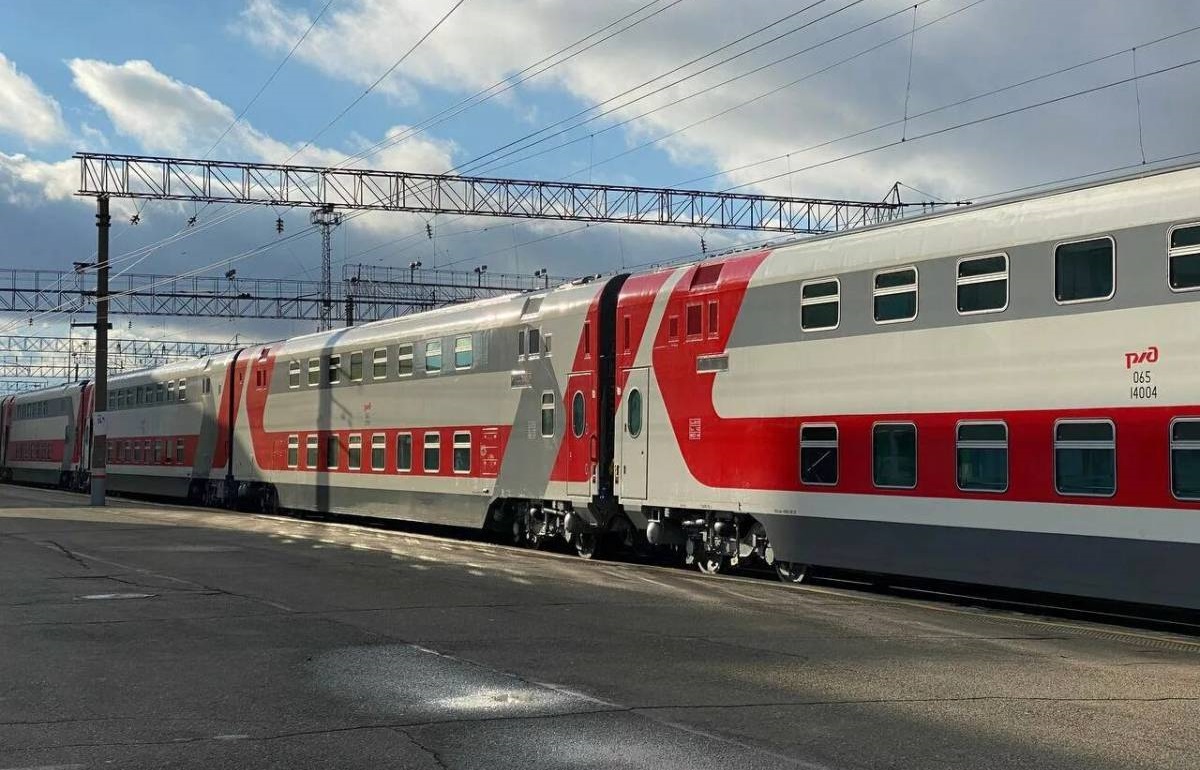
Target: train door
634, 454
581, 435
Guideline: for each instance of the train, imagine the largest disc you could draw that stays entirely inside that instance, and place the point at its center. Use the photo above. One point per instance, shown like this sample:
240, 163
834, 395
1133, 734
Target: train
1006, 394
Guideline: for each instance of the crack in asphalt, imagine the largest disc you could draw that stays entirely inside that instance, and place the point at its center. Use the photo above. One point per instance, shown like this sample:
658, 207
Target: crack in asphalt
69, 554
433, 754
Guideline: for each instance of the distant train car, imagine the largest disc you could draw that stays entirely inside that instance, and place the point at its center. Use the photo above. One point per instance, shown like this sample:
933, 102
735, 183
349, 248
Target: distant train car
43, 433
456, 416
169, 429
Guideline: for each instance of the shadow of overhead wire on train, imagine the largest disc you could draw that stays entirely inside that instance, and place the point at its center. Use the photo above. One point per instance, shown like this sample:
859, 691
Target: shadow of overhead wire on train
326, 403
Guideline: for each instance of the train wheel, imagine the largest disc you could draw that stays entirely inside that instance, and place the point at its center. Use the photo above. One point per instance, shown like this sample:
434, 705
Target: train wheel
791, 572
587, 544
712, 563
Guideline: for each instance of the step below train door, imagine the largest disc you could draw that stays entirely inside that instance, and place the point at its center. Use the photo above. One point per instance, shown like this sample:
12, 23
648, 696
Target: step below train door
580, 434
634, 457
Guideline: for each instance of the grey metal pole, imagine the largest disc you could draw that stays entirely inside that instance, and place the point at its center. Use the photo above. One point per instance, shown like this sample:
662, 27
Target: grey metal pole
100, 388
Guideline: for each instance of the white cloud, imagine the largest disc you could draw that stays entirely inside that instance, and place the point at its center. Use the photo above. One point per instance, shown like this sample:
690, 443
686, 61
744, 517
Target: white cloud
25, 111
28, 182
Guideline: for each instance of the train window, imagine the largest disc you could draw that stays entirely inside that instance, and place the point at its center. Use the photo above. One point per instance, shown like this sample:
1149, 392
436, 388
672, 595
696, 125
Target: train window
692, 319
535, 342
587, 339
332, 451
110, 452
356, 366
120, 399
982, 284
207, 387
1183, 258
171, 390
147, 447
462, 452
158, 450
294, 374
895, 295
354, 453
293, 452
1084, 271
310, 451
378, 452
819, 305
379, 363
548, 408
464, 356
181, 391
179, 450
626, 334
634, 412
404, 452
137, 451
160, 393
137, 393
1085, 458
819, 454
673, 328
112, 402
520, 344
1185, 459
314, 371
982, 456
404, 360
433, 452
712, 319
335, 369
433, 356
547, 339
894, 455
578, 414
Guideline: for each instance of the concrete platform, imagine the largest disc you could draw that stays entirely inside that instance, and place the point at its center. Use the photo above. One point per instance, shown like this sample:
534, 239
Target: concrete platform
158, 636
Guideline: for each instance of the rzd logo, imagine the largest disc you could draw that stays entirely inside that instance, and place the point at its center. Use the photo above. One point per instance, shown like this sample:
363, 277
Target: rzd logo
1147, 356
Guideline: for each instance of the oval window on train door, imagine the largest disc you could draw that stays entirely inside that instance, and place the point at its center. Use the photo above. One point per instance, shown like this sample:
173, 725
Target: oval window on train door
578, 414
635, 413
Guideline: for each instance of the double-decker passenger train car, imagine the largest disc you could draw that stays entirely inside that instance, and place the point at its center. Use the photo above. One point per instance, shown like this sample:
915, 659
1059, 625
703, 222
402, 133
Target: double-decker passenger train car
44, 436
1006, 395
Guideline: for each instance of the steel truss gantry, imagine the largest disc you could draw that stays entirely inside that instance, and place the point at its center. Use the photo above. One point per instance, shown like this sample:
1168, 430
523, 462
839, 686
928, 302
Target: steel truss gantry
158, 349
274, 184
373, 297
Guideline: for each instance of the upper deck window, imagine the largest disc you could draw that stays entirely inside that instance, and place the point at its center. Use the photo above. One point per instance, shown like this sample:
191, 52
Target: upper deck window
1085, 271
982, 284
1183, 258
819, 305
433, 356
895, 295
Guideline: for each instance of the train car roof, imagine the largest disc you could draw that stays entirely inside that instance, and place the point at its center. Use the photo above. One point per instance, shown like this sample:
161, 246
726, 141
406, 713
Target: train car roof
452, 319
50, 392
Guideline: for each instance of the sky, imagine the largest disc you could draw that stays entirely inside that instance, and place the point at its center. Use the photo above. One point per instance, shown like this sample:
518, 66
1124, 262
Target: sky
813, 105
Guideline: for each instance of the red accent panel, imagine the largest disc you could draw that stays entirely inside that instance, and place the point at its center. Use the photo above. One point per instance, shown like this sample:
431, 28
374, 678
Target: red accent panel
571, 463
37, 451
488, 442
633, 314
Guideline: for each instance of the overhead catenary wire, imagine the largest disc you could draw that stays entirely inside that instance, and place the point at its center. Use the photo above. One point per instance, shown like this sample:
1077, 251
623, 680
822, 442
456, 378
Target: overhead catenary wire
501, 150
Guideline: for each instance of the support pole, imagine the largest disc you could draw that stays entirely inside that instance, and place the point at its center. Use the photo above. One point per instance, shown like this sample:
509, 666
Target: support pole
100, 388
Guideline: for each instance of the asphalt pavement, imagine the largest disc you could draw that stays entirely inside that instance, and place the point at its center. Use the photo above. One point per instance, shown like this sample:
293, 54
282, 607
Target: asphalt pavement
142, 635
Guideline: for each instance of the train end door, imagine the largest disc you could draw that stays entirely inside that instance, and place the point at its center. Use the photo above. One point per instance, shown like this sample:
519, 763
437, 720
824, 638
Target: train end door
582, 437
633, 459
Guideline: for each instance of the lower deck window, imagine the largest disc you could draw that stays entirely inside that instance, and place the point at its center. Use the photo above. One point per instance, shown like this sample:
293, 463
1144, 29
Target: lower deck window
332, 450
1085, 458
1185, 459
462, 452
354, 453
982, 456
894, 455
818, 454
293, 451
310, 452
404, 452
378, 451
433, 452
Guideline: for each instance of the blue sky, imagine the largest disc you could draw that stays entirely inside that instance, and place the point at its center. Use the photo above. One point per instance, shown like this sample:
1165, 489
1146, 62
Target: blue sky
166, 77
